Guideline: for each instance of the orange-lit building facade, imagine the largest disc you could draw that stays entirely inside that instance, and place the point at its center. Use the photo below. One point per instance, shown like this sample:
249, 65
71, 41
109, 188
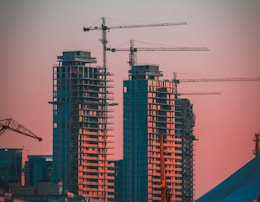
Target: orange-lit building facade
149, 111
81, 93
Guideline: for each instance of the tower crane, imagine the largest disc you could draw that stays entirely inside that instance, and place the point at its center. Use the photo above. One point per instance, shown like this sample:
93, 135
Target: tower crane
11, 124
132, 50
104, 28
227, 79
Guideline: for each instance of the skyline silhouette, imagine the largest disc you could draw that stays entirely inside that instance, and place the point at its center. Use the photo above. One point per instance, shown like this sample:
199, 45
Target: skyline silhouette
34, 33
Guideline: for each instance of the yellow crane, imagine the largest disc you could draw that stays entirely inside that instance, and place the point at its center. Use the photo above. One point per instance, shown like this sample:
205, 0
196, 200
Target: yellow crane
13, 125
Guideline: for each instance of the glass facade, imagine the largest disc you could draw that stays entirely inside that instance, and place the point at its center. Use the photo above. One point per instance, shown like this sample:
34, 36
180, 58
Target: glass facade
149, 112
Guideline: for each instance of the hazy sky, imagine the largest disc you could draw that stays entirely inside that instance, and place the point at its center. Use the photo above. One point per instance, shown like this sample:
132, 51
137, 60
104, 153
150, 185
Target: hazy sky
33, 33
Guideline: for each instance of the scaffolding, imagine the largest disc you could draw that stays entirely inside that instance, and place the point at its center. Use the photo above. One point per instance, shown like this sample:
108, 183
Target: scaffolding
82, 98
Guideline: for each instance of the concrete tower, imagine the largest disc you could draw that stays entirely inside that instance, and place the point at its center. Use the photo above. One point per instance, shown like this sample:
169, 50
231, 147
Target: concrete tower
151, 109
80, 126
148, 112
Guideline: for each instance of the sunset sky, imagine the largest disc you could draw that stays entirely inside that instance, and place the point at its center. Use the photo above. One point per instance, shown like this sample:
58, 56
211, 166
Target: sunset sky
33, 33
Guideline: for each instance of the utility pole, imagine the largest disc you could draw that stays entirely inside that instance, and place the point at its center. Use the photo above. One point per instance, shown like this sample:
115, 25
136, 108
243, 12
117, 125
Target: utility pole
256, 140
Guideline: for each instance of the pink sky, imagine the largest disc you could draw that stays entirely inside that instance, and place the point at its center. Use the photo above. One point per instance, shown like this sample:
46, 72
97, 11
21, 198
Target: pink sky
34, 33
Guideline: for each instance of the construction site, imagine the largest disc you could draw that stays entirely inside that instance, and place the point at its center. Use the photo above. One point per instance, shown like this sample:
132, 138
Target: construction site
158, 135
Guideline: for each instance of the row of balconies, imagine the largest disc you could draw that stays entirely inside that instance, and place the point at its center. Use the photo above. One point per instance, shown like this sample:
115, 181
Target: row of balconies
97, 128
152, 145
96, 184
162, 115
86, 178
98, 189
81, 87
95, 146
81, 76
79, 79
85, 118
87, 98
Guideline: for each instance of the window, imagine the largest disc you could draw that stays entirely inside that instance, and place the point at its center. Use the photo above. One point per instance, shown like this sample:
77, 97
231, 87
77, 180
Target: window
125, 89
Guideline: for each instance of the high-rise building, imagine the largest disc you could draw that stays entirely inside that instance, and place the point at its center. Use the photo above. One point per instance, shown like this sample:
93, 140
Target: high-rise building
150, 112
184, 123
81, 95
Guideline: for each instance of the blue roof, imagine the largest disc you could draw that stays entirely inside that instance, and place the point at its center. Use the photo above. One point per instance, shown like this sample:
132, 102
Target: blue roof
243, 185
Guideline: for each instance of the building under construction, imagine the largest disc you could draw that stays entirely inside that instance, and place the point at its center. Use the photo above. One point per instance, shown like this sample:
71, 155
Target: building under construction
158, 140
184, 123
81, 95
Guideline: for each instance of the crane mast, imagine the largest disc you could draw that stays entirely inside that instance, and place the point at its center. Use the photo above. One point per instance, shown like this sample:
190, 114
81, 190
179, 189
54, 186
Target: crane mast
11, 124
104, 28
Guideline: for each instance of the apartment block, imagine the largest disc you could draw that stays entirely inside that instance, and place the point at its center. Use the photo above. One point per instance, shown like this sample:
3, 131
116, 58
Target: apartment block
152, 110
149, 111
184, 123
81, 126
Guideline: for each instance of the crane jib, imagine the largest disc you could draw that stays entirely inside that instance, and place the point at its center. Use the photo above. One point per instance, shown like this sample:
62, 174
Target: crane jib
104, 27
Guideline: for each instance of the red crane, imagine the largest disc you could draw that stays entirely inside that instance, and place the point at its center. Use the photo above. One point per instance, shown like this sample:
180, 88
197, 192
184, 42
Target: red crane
11, 124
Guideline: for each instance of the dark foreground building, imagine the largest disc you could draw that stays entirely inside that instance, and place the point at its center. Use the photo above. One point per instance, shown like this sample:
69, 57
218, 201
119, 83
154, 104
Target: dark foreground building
12, 164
